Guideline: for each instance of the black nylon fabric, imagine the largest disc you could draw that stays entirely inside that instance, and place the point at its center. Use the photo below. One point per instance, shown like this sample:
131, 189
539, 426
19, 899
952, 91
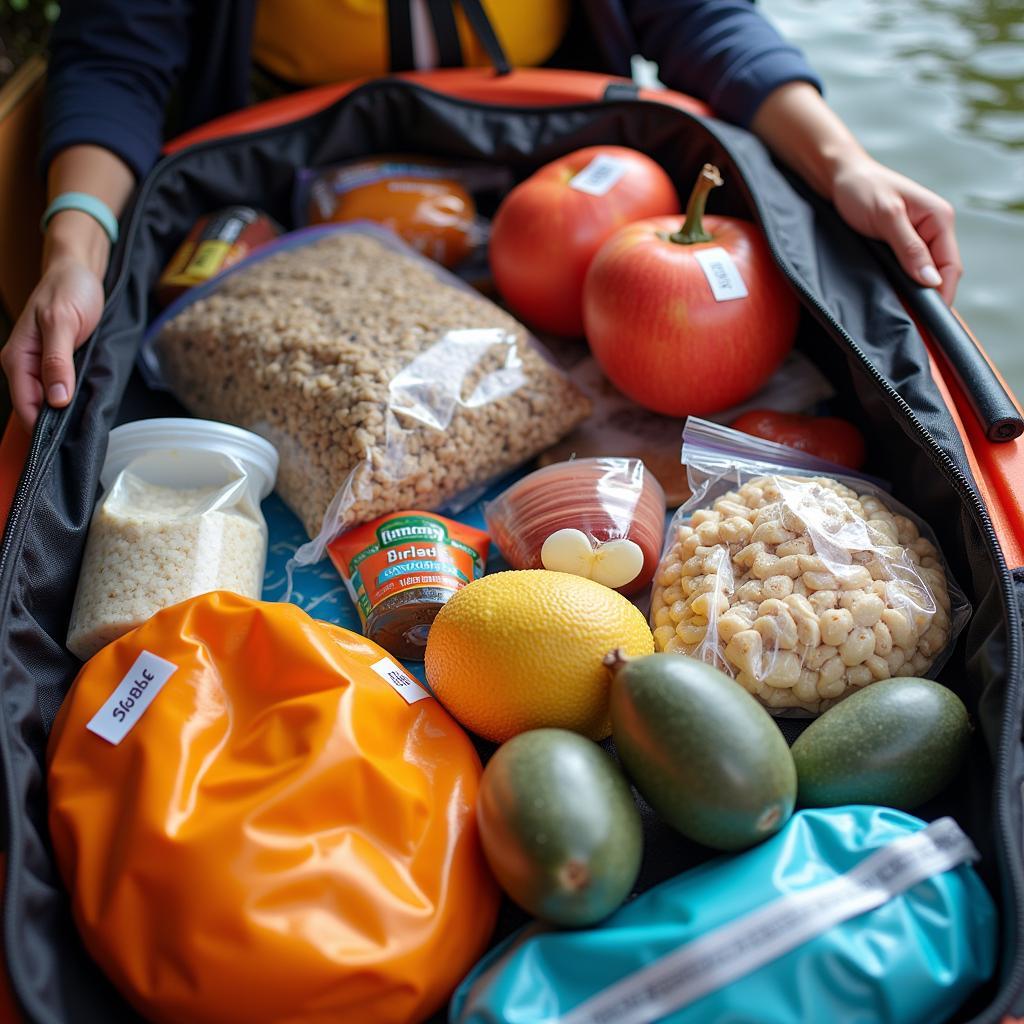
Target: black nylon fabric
54, 978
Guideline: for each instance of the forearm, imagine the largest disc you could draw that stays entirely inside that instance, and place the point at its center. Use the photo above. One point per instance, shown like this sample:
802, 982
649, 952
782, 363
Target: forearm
874, 200
71, 233
722, 51
805, 133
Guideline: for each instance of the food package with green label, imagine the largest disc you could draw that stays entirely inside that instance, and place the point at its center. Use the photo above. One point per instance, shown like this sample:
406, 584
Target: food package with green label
849, 906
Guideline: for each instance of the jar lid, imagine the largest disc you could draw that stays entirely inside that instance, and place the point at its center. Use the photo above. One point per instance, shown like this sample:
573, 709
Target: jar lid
128, 442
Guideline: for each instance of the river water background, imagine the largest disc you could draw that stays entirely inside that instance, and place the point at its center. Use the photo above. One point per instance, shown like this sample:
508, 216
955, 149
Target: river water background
935, 89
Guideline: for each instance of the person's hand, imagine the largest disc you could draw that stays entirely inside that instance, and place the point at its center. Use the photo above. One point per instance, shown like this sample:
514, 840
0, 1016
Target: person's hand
65, 307
917, 223
804, 132
60, 315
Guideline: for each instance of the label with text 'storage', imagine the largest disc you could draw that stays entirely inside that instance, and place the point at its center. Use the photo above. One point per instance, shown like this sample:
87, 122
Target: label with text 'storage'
136, 691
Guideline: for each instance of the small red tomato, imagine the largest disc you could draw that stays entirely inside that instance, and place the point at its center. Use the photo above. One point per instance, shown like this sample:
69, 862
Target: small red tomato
825, 437
549, 227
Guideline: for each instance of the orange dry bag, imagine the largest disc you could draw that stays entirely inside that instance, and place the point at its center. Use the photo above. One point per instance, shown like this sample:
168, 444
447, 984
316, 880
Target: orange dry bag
262, 818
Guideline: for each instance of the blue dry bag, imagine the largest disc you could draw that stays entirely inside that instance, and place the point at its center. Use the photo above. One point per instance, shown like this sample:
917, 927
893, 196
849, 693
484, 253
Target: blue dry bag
863, 915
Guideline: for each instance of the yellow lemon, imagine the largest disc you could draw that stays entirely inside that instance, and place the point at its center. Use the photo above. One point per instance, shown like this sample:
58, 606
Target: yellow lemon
524, 650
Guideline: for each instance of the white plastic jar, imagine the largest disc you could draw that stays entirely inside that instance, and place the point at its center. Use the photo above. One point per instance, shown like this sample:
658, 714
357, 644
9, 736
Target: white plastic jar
179, 516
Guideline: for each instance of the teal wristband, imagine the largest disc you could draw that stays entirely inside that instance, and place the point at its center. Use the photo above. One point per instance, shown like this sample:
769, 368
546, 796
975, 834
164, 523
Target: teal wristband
95, 208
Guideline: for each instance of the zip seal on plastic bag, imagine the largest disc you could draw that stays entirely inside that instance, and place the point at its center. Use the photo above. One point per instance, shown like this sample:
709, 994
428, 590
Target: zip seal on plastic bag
802, 580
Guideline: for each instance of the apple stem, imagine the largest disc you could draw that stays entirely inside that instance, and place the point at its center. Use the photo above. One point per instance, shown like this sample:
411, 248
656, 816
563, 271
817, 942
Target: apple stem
693, 227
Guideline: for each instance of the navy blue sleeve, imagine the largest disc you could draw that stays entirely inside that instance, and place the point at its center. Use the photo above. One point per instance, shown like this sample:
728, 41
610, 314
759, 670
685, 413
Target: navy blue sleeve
722, 51
113, 64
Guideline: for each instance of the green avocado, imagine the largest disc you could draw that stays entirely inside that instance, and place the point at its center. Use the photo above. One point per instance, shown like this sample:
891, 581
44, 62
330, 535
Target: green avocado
559, 825
706, 756
897, 742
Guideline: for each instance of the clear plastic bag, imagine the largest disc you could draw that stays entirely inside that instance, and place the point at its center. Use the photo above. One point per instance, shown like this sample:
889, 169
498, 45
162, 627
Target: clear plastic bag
800, 579
384, 381
602, 518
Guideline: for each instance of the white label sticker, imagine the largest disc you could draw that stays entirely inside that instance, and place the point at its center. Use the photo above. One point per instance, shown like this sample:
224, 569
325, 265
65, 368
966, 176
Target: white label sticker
722, 274
401, 682
125, 706
601, 175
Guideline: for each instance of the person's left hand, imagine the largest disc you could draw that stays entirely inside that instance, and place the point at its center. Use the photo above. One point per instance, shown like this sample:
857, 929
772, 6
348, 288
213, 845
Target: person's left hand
917, 223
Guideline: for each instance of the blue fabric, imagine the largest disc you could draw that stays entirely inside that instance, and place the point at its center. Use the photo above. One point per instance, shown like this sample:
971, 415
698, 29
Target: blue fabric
911, 961
114, 62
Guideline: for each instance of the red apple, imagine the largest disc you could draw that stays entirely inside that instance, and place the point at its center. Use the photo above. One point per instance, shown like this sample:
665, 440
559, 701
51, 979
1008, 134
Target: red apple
688, 320
549, 227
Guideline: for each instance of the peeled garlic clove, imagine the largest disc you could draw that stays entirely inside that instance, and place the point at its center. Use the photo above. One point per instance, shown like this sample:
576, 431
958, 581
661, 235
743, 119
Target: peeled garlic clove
617, 562
568, 551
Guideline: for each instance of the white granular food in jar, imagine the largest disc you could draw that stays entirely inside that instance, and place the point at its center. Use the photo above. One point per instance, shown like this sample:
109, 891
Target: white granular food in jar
153, 546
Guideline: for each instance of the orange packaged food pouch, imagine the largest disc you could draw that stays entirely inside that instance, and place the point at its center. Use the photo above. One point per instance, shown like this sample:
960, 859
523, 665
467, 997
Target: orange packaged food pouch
263, 818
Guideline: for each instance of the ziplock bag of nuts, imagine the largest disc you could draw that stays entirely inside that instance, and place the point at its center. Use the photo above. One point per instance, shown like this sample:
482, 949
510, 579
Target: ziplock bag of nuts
800, 579
383, 381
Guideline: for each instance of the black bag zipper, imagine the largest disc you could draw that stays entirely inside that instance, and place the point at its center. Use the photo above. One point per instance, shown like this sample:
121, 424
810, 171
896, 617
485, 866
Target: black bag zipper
45, 442
1011, 723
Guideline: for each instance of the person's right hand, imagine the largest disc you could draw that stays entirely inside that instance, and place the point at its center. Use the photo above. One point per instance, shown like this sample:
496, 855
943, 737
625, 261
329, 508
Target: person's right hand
60, 315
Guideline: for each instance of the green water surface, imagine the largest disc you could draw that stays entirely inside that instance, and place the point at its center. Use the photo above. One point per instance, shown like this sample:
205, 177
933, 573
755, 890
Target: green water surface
935, 89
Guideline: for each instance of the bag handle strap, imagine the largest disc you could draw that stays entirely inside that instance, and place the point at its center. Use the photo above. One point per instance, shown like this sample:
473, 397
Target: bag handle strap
400, 50
442, 16
449, 49
484, 30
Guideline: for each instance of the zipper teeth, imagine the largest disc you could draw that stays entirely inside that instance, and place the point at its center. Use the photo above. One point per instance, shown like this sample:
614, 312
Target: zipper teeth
967, 490
21, 494
963, 485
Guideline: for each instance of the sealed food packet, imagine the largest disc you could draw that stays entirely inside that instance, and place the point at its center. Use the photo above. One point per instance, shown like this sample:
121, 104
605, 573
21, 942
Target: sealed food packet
401, 569
802, 580
217, 241
600, 518
383, 381
429, 203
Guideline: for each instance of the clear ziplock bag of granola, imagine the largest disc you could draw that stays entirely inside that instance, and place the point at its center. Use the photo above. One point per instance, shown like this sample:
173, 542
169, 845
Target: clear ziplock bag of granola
384, 381
800, 579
